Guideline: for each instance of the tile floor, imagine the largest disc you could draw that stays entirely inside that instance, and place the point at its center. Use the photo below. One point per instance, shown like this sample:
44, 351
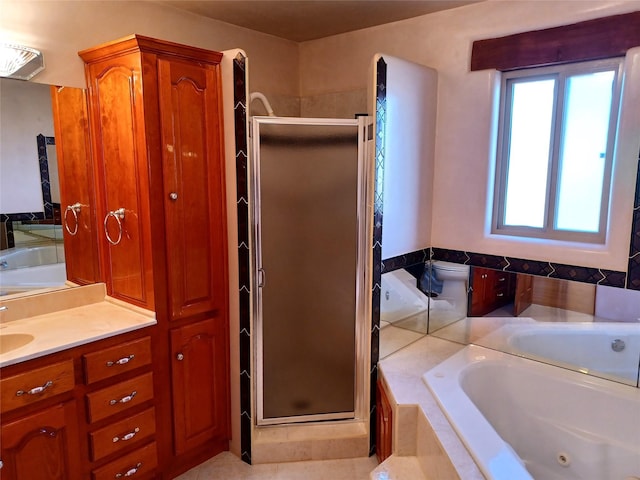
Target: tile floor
229, 467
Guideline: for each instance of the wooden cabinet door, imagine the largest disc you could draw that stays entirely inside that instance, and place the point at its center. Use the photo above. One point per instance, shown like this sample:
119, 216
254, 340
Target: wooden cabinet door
199, 384
384, 424
41, 446
119, 142
73, 148
193, 177
478, 292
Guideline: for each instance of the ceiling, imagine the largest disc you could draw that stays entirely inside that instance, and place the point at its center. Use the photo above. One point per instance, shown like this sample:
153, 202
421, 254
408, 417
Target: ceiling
302, 20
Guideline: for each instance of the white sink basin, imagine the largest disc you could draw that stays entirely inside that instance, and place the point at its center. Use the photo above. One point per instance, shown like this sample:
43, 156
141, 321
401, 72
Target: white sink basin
12, 341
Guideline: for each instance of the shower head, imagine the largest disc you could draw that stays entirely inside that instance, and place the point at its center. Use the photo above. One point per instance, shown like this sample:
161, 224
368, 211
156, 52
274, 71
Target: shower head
264, 100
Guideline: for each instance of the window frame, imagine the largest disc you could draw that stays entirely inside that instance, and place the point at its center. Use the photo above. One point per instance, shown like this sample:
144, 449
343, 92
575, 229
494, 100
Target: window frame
560, 73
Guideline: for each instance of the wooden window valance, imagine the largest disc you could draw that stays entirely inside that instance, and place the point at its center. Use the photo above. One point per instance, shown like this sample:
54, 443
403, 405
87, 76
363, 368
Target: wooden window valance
590, 40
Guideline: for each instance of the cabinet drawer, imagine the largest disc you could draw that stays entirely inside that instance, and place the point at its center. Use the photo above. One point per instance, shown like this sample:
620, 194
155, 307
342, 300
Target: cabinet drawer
112, 361
120, 435
116, 398
32, 386
135, 464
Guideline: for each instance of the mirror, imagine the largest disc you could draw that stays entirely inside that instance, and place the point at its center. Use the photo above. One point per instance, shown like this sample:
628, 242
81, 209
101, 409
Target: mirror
32, 253
580, 326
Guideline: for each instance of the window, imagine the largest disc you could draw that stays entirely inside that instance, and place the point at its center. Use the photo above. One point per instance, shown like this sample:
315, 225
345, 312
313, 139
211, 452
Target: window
555, 151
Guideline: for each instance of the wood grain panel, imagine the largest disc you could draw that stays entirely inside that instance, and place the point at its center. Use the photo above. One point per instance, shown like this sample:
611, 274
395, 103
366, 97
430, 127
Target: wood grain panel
116, 398
120, 435
32, 386
137, 464
590, 40
575, 296
115, 360
42, 446
73, 148
194, 188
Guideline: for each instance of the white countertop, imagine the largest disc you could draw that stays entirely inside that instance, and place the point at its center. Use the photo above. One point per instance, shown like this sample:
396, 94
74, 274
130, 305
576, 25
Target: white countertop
403, 372
66, 328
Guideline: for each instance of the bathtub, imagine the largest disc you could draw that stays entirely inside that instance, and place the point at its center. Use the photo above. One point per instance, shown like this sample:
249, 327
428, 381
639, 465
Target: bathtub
401, 301
522, 419
31, 268
31, 256
610, 350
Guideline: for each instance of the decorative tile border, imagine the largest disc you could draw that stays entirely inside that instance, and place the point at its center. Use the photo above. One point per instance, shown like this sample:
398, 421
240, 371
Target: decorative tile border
43, 161
381, 113
533, 267
633, 270
575, 273
244, 257
48, 205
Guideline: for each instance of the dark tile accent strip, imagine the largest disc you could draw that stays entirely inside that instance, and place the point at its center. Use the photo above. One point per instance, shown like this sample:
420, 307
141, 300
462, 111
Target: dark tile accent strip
43, 162
633, 270
406, 260
381, 114
244, 258
533, 267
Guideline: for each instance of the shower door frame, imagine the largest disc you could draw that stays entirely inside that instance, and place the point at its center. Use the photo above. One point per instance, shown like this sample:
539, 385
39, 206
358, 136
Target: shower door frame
364, 217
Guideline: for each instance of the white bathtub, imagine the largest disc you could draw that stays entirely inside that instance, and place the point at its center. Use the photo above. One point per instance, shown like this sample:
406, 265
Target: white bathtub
522, 419
31, 256
587, 347
31, 268
401, 300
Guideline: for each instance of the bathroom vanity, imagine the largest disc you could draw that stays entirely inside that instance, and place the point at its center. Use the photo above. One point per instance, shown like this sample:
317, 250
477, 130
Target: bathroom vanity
77, 396
143, 202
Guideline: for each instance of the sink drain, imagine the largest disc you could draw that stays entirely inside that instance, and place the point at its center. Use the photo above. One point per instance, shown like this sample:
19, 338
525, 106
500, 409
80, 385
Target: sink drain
563, 459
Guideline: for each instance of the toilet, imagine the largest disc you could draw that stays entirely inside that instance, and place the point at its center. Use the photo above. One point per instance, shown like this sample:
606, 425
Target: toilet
455, 277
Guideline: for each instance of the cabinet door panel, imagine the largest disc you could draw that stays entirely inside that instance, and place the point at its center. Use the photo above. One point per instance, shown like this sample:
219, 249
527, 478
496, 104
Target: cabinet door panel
199, 384
116, 96
39, 446
193, 180
73, 147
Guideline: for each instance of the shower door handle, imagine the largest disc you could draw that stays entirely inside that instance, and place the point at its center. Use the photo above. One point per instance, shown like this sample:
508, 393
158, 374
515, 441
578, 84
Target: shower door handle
262, 278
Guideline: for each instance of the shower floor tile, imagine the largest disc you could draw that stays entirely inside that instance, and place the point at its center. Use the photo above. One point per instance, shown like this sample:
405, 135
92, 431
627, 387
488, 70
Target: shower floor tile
228, 466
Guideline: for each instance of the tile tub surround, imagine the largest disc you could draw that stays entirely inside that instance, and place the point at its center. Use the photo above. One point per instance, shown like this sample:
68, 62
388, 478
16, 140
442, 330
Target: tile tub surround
67, 318
421, 430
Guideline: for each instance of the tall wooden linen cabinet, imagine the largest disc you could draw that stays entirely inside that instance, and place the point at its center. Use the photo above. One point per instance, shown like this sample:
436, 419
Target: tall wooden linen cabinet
155, 112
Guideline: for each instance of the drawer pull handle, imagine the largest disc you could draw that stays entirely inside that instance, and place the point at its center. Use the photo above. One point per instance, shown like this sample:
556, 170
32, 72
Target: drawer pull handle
122, 361
35, 390
126, 399
127, 436
502, 279
131, 472
499, 294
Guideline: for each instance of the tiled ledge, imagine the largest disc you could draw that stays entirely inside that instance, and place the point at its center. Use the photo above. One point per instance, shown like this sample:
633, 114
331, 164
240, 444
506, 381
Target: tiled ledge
420, 428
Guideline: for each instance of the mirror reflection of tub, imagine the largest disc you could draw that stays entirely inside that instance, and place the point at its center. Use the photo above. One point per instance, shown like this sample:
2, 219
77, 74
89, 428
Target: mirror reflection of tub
27, 268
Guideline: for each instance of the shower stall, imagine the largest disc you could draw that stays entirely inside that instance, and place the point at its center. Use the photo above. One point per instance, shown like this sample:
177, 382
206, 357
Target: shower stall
310, 185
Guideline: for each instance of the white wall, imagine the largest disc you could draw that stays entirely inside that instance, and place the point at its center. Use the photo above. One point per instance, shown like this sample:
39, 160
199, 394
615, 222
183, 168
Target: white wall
24, 114
411, 97
464, 123
61, 28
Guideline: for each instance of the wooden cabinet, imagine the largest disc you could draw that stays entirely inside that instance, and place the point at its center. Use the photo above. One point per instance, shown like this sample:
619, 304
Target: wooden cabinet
118, 430
199, 380
193, 188
120, 151
384, 423
490, 290
80, 413
75, 171
156, 135
42, 445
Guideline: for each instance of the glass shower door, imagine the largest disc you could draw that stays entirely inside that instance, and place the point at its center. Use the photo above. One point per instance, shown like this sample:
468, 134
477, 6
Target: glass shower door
307, 182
